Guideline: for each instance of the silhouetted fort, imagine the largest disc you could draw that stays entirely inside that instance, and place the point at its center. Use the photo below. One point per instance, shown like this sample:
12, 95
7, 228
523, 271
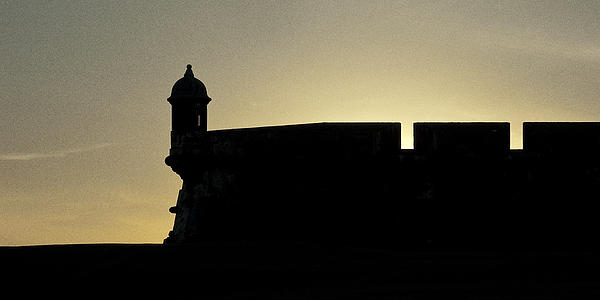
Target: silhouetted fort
351, 183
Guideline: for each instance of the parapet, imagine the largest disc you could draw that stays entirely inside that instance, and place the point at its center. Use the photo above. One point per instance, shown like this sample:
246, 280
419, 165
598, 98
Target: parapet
342, 140
363, 140
561, 137
480, 138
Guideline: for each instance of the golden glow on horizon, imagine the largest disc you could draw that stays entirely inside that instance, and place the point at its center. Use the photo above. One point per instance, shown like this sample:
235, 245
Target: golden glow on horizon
79, 75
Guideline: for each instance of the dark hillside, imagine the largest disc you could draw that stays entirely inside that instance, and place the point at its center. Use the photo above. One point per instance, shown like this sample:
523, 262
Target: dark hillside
298, 271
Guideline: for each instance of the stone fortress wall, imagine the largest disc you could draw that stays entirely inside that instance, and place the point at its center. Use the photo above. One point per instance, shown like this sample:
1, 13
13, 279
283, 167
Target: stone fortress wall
352, 183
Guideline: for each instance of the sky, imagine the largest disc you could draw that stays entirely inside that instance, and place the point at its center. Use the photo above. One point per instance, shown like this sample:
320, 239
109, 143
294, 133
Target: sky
85, 123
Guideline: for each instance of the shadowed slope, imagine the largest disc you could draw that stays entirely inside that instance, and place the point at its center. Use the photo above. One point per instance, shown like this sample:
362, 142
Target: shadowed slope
299, 271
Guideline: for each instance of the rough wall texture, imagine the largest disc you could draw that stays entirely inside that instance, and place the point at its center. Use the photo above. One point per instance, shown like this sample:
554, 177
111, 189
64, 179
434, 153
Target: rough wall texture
350, 183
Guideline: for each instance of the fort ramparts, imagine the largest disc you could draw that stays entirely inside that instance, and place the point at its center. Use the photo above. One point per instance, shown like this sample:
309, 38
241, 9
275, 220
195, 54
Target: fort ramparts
351, 183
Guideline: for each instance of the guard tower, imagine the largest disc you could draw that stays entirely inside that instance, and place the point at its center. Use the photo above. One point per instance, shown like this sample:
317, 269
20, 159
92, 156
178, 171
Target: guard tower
189, 101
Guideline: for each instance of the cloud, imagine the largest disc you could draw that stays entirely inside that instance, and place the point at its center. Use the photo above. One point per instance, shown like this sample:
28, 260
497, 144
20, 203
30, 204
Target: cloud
540, 44
589, 52
53, 154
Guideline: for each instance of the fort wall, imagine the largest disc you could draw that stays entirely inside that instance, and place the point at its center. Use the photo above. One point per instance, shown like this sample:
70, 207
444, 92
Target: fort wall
351, 182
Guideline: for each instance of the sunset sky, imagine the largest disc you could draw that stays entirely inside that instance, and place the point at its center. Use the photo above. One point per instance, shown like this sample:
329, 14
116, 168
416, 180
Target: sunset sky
85, 122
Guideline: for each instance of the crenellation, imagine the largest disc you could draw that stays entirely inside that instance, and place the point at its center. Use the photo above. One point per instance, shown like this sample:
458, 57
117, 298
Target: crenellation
481, 138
